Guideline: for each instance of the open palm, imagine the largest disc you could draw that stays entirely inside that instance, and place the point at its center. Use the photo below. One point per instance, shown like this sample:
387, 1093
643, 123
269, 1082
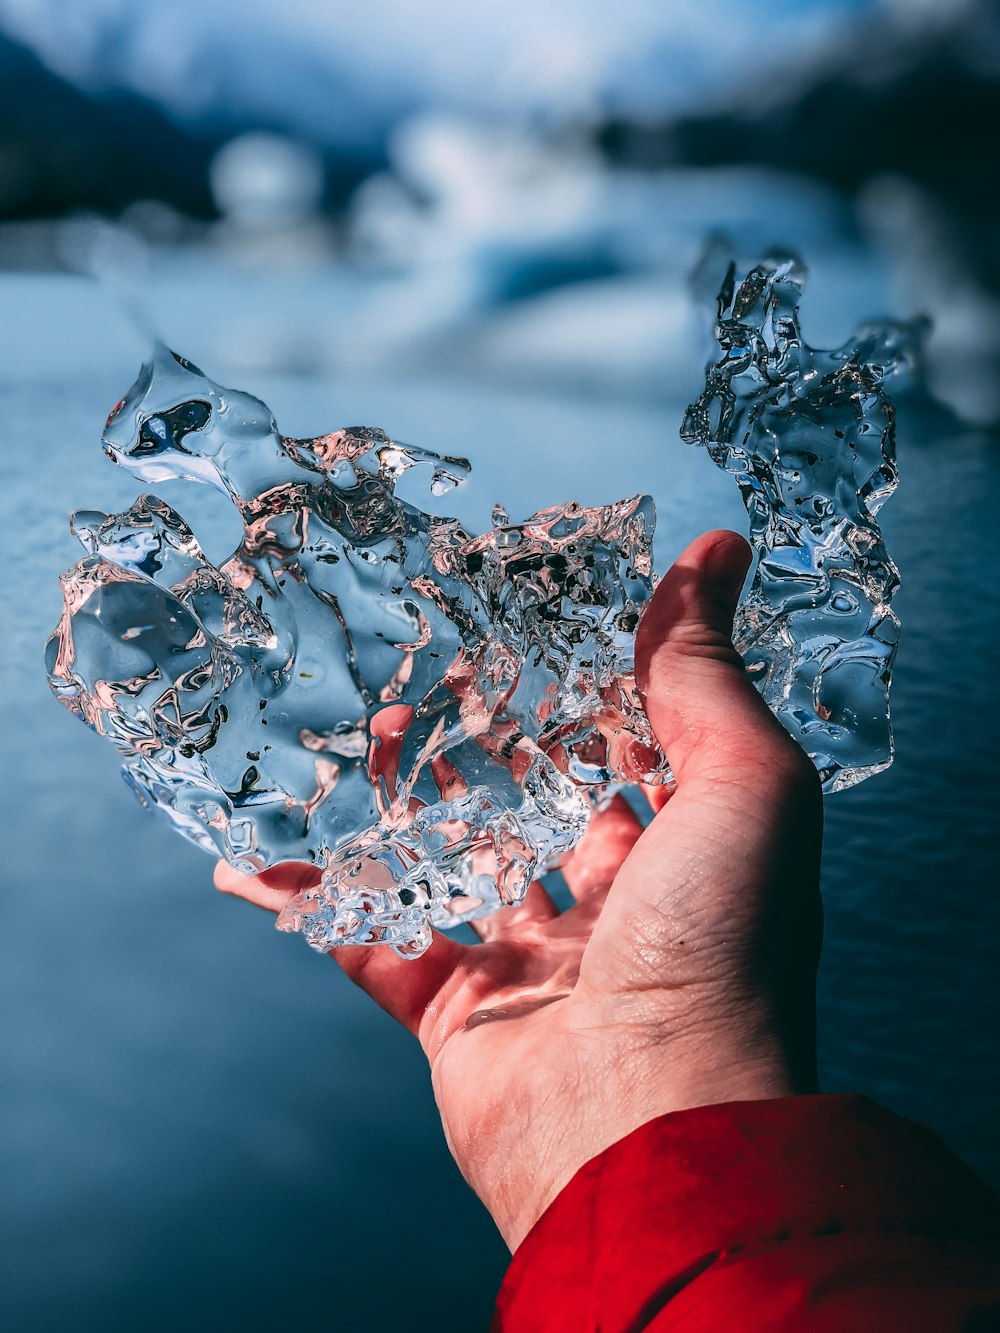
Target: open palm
683, 974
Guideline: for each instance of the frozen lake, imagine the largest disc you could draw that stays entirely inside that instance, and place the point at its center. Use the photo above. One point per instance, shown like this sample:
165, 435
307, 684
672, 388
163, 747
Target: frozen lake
202, 1124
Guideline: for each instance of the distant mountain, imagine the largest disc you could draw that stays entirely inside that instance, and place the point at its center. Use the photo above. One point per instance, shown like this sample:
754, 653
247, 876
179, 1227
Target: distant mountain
932, 120
921, 105
63, 149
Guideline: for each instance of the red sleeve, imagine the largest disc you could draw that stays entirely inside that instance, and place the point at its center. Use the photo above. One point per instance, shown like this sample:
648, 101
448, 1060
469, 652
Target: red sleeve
826, 1214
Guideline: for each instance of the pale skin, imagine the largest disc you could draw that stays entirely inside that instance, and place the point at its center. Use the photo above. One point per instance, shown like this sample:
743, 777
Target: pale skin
684, 973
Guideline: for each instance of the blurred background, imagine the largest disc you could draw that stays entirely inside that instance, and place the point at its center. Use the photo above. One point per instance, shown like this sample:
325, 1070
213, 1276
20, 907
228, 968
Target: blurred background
473, 226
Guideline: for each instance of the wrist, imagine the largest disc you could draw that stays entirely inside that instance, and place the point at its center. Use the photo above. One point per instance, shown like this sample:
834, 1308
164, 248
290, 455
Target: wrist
518, 1187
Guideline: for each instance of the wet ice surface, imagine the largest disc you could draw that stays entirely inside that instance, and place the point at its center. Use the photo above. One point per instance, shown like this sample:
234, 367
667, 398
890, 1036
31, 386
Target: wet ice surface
429, 716
423, 714
809, 436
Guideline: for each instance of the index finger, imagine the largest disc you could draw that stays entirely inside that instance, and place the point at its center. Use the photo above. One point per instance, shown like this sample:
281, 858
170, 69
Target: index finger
405, 988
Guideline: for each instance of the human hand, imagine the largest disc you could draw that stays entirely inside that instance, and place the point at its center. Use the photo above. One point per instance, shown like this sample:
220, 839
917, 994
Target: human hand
684, 973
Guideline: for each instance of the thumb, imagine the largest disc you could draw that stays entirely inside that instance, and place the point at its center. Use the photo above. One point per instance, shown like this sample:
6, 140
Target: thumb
701, 704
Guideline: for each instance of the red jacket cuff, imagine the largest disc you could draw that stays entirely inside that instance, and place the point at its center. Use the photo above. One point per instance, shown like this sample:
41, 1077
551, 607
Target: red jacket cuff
800, 1213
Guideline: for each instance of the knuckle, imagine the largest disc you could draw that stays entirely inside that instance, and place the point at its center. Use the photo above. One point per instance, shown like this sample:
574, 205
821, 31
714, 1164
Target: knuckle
694, 639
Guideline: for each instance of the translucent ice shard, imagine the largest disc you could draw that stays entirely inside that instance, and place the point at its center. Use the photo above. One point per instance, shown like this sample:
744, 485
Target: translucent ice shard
809, 437
426, 715
422, 713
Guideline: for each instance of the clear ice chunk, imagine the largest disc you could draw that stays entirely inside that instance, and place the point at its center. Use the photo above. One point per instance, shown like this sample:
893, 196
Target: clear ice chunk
424, 714
809, 437
429, 716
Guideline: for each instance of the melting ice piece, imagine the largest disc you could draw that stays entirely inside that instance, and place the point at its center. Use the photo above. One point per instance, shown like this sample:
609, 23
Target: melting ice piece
809, 436
428, 716
423, 714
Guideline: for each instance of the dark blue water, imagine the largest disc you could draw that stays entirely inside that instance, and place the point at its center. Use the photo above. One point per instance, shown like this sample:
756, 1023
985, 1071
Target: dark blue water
203, 1125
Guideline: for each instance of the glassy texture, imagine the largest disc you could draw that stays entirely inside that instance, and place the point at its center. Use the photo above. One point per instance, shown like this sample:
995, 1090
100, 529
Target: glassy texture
426, 715
809, 437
